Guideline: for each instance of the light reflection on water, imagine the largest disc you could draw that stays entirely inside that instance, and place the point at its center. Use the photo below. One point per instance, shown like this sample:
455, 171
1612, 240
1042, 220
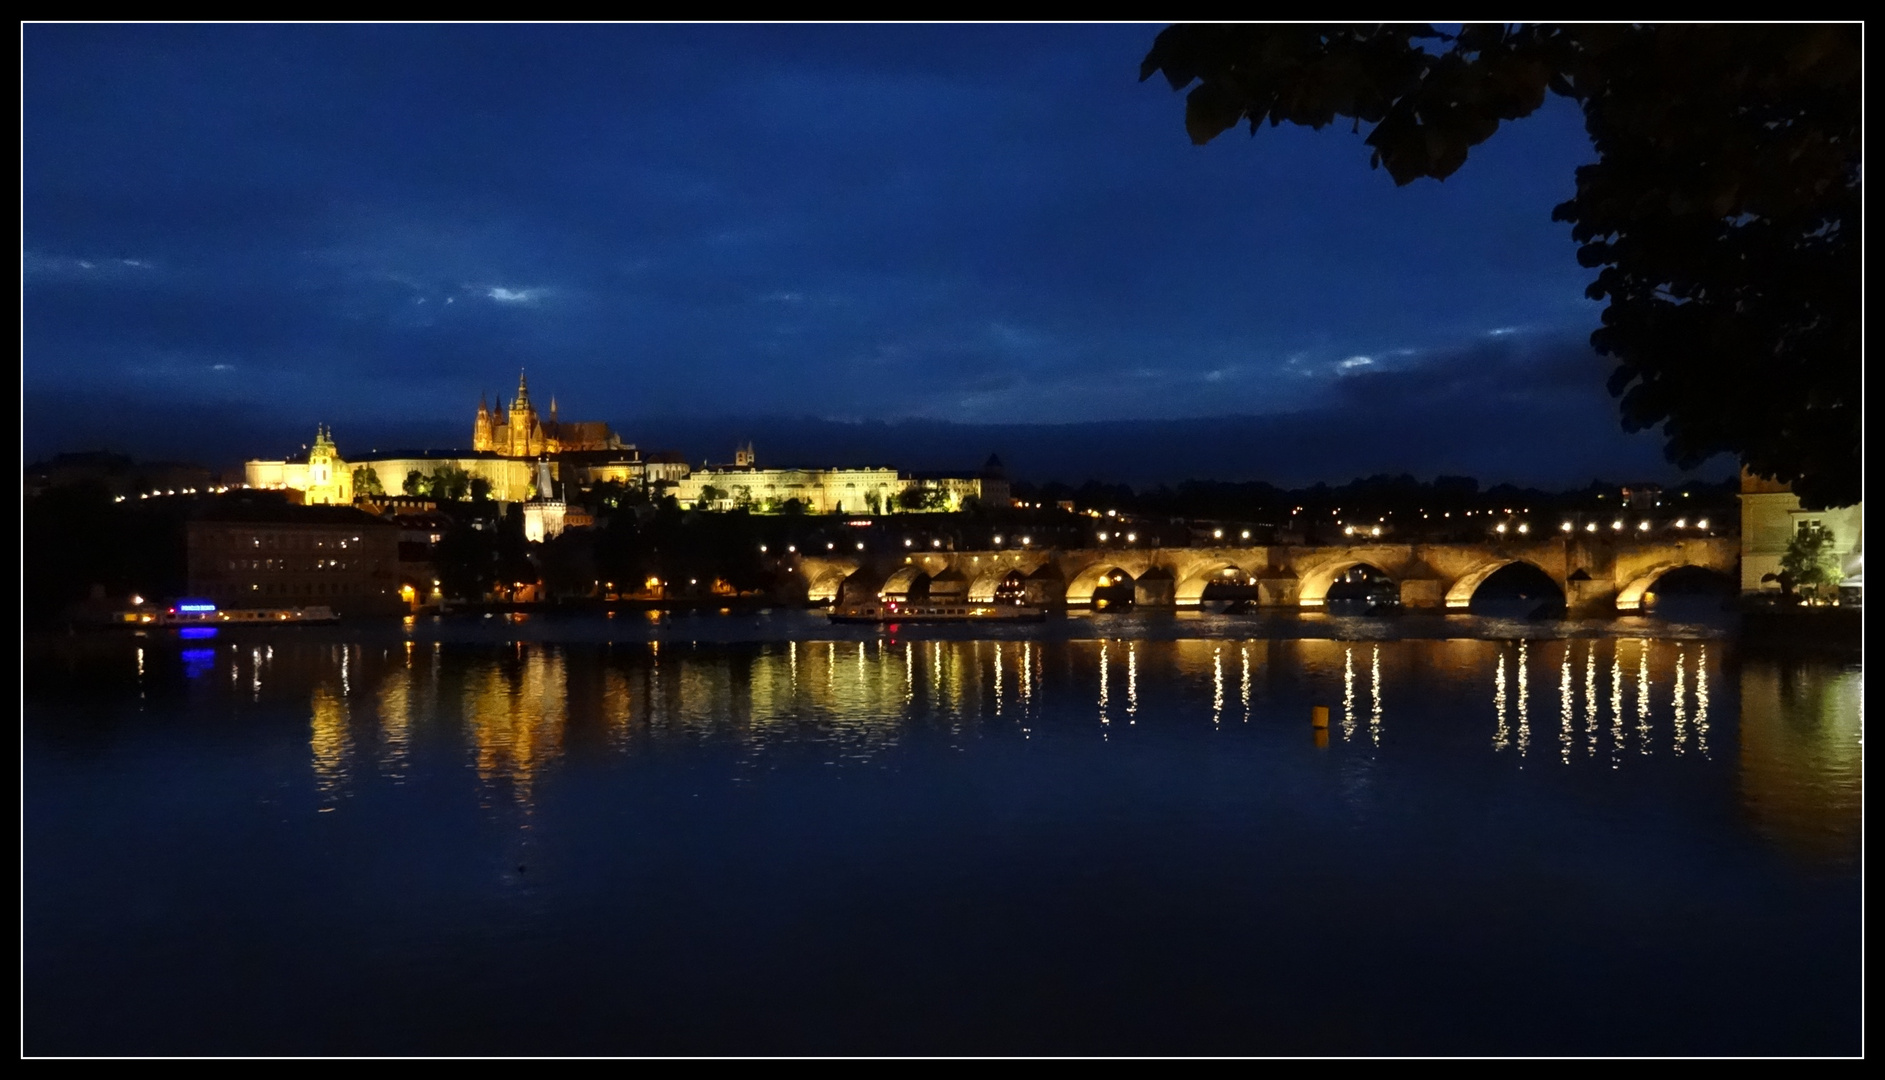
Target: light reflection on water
329, 740
516, 707
1802, 755
1524, 700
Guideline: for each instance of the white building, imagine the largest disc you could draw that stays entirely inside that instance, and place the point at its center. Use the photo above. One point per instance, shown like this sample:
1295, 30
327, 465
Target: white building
1771, 517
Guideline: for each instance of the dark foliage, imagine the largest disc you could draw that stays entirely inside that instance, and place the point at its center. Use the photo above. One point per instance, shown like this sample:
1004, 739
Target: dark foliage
75, 540
679, 546
366, 481
1723, 214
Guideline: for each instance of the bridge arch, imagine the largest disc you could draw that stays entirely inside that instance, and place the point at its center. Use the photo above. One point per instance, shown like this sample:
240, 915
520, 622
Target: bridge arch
982, 589
951, 584
1634, 597
1459, 597
825, 588
906, 582
1190, 591
1100, 575
1631, 596
1314, 590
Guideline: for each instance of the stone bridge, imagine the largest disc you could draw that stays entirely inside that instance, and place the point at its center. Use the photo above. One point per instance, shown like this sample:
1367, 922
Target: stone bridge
1596, 574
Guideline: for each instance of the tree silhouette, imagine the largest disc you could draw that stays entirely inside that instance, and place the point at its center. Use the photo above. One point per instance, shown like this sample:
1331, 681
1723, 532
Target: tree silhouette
1723, 213
451, 482
366, 481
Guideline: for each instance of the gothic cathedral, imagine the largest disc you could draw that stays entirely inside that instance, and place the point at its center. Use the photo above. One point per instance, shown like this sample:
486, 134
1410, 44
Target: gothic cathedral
520, 433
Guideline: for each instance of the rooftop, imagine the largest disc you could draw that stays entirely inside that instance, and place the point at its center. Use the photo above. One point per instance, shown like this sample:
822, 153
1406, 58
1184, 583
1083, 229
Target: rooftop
265, 508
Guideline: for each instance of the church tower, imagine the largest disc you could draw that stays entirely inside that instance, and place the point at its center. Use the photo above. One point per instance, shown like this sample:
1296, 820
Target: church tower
524, 429
481, 427
328, 478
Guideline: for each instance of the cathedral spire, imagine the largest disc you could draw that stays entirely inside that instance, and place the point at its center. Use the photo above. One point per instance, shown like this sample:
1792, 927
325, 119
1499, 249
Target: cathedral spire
523, 392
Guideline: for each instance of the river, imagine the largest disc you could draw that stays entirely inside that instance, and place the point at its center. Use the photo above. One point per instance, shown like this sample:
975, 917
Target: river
759, 833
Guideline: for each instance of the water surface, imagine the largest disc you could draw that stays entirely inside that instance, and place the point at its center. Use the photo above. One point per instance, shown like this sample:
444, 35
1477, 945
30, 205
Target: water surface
764, 834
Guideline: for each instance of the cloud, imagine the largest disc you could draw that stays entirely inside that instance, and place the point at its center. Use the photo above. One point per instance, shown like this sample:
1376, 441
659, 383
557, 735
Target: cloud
1354, 362
514, 296
37, 265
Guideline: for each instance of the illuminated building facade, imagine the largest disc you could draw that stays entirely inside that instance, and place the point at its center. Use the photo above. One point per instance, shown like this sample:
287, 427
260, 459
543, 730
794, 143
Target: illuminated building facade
320, 476
1770, 518
831, 491
521, 457
323, 477
263, 554
819, 491
544, 513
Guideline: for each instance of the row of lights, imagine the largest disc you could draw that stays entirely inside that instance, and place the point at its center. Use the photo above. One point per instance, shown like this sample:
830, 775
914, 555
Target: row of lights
907, 542
1523, 529
1618, 525
178, 491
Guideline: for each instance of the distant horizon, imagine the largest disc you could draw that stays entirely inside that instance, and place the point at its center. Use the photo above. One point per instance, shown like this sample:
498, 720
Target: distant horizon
1142, 453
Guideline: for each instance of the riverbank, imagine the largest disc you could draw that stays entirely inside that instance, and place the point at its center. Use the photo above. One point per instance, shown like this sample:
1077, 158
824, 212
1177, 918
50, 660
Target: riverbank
1827, 631
726, 604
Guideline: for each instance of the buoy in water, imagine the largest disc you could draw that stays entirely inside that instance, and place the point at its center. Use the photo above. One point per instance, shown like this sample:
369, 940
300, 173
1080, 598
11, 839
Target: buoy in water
1319, 716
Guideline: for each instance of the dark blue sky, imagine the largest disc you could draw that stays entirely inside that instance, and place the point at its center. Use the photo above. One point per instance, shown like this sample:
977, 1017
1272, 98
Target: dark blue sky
231, 232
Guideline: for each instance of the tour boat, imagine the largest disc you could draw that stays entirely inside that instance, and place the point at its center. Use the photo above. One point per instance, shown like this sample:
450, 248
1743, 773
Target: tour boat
204, 613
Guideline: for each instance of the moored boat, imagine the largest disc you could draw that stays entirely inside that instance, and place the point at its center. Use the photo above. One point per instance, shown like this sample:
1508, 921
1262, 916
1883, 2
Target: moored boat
204, 613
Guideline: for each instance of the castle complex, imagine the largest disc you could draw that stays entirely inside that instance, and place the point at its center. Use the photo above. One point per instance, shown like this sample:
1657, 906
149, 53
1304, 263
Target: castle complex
518, 455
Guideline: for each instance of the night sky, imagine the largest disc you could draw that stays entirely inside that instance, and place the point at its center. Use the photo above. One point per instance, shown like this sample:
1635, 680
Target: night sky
231, 233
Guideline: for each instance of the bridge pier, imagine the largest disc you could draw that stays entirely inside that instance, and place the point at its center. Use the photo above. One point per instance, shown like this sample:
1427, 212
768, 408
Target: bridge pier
1589, 597
1278, 592
1155, 592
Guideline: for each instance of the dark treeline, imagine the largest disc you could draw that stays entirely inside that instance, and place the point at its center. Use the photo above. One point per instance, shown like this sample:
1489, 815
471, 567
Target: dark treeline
1267, 504
76, 543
